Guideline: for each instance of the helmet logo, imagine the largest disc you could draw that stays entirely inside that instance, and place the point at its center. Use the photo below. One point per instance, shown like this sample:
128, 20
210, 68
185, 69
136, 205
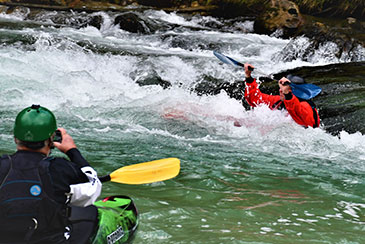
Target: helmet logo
28, 136
35, 190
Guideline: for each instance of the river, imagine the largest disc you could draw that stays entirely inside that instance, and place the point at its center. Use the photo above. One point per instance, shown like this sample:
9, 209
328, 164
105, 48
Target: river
269, 181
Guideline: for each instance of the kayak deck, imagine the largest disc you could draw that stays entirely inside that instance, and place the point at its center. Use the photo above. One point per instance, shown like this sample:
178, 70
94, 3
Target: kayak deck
118, 220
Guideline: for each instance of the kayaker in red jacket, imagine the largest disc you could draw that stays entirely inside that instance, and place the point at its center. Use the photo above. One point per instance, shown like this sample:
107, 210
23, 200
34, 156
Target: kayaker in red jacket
303, 112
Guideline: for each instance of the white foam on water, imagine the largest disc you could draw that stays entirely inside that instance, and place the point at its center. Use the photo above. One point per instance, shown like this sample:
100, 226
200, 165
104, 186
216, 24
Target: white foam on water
96, 97
101, 89
172, 18
17, 15
84, 79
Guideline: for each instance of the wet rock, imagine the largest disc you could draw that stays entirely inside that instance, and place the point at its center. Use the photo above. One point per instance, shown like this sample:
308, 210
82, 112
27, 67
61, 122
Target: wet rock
96, 21
212, 86
135, 22
153, 80
150, 77
336, 39
281, 14
18, 10
132, 23
208, 86
189, 43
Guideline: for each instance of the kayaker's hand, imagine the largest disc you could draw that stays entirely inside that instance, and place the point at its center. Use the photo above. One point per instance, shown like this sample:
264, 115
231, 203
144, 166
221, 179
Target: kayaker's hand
248, 69
284, 85
67, 142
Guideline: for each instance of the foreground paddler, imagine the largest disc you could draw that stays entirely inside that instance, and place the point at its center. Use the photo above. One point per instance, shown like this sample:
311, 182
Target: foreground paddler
51, 200
39, 193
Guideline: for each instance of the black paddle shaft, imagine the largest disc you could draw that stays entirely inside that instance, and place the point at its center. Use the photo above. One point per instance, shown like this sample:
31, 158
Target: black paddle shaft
228, 60
242, 65
105, 178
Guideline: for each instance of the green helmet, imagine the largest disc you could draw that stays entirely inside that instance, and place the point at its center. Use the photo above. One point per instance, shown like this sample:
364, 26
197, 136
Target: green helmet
34, 124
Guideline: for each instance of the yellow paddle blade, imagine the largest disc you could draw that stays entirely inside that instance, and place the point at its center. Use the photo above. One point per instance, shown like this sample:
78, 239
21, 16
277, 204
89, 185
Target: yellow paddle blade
148, 172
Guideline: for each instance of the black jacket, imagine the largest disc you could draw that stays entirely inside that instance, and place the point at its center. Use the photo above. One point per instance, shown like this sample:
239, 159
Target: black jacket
52, 177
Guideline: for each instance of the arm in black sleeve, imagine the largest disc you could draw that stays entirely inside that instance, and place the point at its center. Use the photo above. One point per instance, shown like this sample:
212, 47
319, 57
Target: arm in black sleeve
249, 79
76, 157
288, 96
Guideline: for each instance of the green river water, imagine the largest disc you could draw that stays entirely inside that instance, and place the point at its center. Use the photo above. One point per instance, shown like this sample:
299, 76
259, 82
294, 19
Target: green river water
269, 181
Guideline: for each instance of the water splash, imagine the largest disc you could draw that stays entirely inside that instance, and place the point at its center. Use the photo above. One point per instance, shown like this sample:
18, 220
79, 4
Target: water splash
269, 177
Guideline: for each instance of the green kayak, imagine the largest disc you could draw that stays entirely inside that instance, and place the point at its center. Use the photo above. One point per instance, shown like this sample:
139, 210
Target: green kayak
118, 220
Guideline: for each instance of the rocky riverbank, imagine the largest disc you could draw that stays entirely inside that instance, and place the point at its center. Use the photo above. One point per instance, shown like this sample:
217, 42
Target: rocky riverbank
282, 18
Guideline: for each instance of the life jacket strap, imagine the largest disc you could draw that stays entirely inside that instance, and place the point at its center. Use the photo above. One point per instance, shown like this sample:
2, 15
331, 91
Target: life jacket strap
5, 166
30, 232
315, 113
279, 105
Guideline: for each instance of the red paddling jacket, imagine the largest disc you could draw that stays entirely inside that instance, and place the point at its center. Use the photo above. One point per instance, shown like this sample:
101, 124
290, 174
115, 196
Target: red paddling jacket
303, 112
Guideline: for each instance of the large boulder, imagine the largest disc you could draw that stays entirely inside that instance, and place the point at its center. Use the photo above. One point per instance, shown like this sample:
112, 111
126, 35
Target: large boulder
279, 15
131, 22
340, 39
136, 22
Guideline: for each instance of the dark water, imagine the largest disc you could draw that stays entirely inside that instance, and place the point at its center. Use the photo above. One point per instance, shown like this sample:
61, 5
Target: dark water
270, 181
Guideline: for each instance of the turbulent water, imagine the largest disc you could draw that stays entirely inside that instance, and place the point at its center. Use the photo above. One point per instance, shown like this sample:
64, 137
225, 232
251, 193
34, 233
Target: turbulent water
269, 181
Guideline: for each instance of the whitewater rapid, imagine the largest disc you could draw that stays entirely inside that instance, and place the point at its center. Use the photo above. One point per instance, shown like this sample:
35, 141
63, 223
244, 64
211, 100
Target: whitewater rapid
87, 76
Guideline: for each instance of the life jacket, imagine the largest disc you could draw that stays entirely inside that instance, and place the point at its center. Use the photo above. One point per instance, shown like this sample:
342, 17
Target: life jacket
28, 213
279, 105
315, 112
